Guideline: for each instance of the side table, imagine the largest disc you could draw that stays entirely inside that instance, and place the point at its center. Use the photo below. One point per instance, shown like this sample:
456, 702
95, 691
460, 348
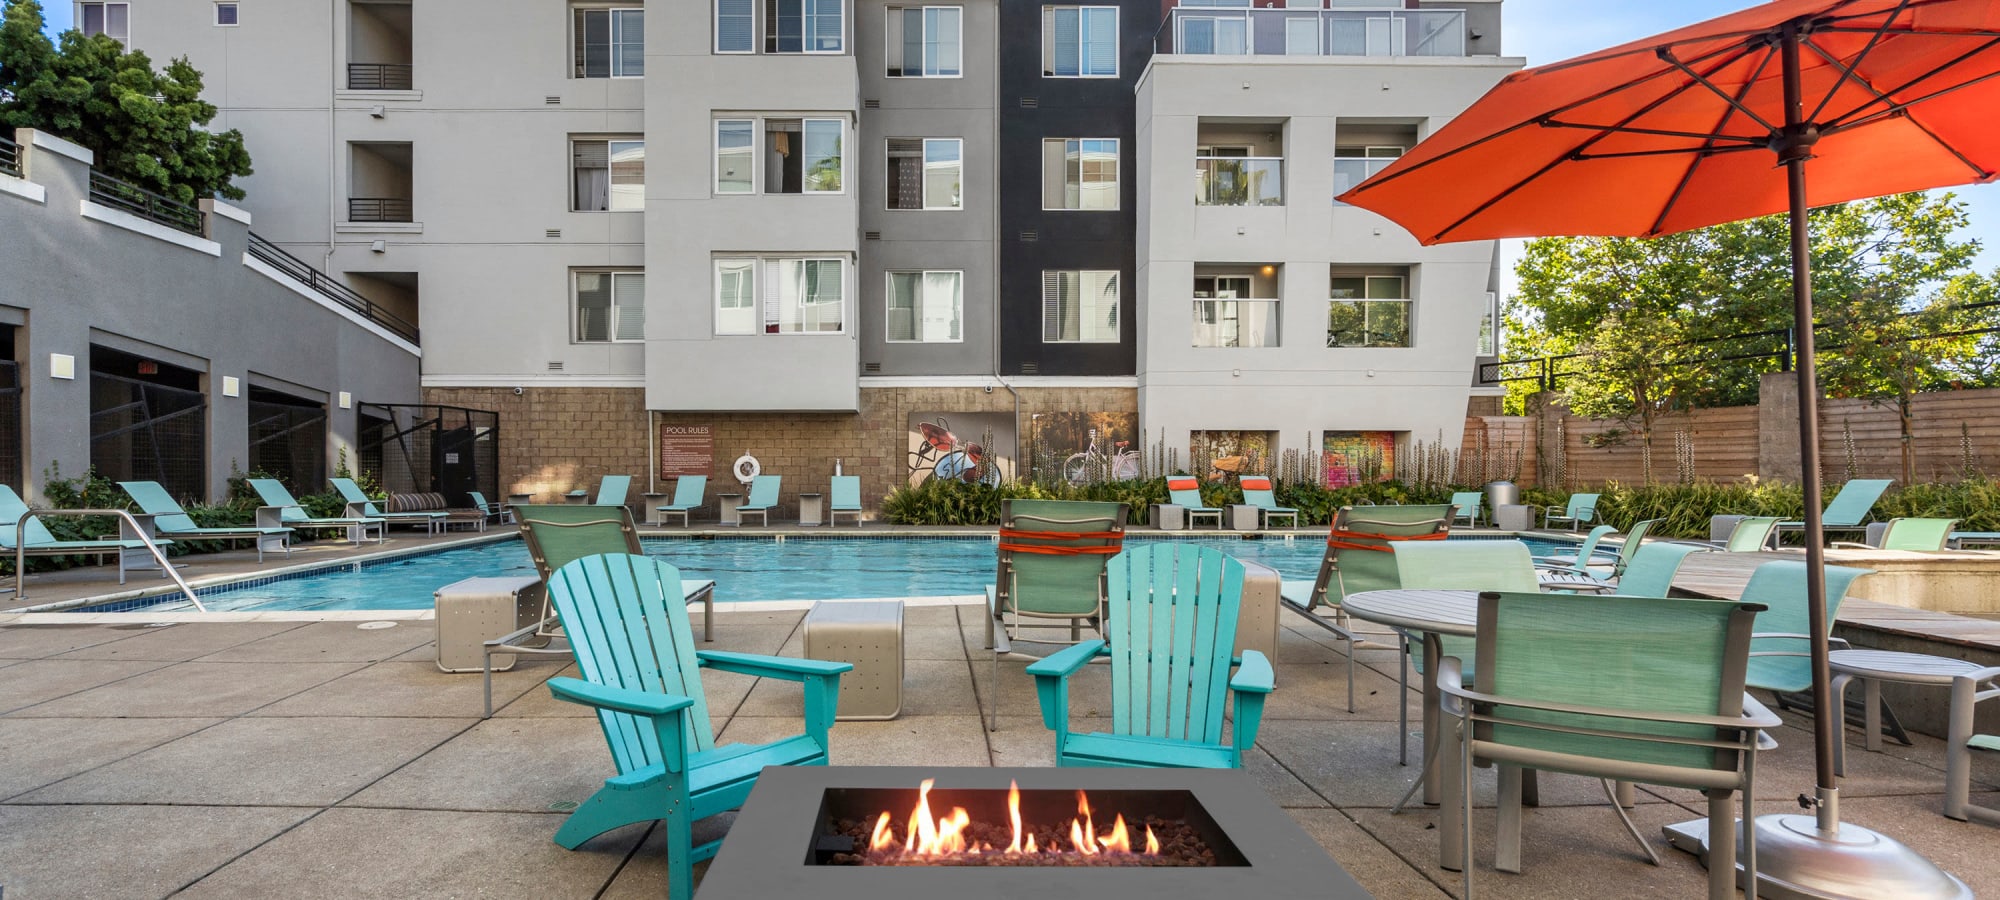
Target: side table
1513, 517
1242, 517
725, 505
810, 508
1872, 668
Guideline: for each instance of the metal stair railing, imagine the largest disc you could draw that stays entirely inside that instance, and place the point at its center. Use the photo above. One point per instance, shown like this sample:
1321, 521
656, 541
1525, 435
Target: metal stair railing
21, 548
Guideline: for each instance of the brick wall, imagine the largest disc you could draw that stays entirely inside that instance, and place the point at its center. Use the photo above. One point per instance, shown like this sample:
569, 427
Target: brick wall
556, 440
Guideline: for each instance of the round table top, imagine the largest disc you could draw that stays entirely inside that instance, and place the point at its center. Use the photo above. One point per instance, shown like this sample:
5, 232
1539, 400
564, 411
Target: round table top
1429, 610
1908, 668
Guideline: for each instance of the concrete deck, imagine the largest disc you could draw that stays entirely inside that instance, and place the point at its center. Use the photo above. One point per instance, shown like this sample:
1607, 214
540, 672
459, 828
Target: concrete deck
322, 759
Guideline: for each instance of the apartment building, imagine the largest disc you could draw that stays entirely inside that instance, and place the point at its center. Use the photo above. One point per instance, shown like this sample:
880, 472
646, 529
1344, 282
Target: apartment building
820, 230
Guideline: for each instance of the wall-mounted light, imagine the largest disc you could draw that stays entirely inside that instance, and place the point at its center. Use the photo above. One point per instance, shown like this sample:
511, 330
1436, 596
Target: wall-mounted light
231, 387
1239, 229
1269, 271
62, 365
346, 400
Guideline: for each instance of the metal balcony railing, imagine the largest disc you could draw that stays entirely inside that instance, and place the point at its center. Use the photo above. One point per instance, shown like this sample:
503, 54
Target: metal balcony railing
378, 209
378, 76
1223, 31
326, 286
1239, 181
108, 191
10, 158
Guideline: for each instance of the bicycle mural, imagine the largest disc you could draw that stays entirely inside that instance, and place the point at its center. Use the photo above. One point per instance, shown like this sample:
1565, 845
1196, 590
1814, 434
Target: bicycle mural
1086, 447
961, 446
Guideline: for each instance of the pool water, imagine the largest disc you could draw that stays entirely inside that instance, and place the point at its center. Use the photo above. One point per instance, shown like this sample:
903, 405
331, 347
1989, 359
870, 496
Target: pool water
746, 568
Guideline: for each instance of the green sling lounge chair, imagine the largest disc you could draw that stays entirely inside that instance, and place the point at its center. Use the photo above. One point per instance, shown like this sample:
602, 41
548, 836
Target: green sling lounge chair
1919, 535
171, 521
1581, 508
846, 499
1849, 509
360, 507
1049, 583
612, 489
763, 498
22, 535
1752, 534
1171, 622
1357, 559
1466, 504
1653, 710
1184, 491
641, 673
687, 498
294, 516
1257, 492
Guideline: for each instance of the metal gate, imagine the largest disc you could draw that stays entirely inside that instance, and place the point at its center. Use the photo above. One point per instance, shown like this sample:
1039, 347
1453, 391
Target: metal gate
427, 447
288, 439
141, 431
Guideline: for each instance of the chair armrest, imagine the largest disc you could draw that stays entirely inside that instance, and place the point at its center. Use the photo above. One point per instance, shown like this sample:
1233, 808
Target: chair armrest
1253, 675
638, 703
781, 667
1066, 662
1758, 714
1852, 545
1452, 689
1250, 685
1451, 683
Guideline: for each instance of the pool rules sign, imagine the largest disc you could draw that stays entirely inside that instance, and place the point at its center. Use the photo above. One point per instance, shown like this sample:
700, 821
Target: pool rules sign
686, 450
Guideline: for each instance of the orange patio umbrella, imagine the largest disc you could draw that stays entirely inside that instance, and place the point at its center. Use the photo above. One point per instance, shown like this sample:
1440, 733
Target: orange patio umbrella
1852, 99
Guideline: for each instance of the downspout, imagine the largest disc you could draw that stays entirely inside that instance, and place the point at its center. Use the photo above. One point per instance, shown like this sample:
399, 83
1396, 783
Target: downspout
332, 140
998, 236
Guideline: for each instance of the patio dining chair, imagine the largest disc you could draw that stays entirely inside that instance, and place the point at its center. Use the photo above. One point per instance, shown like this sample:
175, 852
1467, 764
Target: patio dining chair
1960, 741
1453, 565
1781, 650
1465, 505
1667, 713
1581, 508
1051, 575
1357, 559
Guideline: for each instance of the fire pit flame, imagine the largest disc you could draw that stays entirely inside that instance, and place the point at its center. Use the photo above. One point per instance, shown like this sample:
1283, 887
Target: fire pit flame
928, 835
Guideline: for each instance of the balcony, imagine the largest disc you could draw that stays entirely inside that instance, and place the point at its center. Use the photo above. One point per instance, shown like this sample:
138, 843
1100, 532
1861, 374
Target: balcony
1239, 181
378, 77
378, 209
10, 158
379, 41
379, 182
1211, 31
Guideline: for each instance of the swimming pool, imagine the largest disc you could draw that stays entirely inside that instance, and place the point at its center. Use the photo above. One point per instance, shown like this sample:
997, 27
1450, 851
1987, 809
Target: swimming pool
743, 568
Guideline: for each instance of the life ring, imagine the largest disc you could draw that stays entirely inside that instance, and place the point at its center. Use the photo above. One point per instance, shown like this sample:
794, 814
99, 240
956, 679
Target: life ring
746, 468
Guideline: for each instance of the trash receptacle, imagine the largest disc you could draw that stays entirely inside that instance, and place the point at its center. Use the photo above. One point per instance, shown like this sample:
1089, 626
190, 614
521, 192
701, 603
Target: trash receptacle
1502, 493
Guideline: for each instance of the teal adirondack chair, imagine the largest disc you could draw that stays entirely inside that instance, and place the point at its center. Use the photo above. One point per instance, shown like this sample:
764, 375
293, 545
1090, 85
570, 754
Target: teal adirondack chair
1849, 509
687, 498
171, 521
1919, 535
629, 629
1257, 492
359, 506
611, 490
763, 498
1780, 655
1055, 583
294, 516
1467, 505
1357, 559
1184, 491
846, 499
1172, 621
1581, 508
35, 540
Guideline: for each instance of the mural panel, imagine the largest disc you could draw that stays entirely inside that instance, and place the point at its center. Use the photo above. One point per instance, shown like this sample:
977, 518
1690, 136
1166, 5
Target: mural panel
1082, 447
1355, 457
964, 446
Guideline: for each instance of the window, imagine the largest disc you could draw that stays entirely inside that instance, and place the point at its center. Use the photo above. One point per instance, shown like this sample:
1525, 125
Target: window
1080, 307
1353, 165
795, 156
925, 173
610, 43
610, 306
1079, 173
1226, 315
608, 175
925, 306
780, 296
1368, 311
923, 42
1489, 333
1080, 41
1218, 35
735, 26
114, 19
225, 14
803, 26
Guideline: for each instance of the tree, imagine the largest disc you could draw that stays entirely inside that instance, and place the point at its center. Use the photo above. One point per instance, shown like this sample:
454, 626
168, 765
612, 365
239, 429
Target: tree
145, 127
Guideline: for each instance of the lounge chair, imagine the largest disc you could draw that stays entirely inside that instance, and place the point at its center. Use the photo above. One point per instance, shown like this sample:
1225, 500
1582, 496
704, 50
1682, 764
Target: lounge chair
846, 500
612, 489
687, 498
17, 521
1850, 509
1752, 534
171, 521
1184, 491
763, 498
1614, 568
1466, 504
1357, 559
1922, 535
1049, 583
294, 516
497, 512
1585, 556
1257, 492
360, 507
642, 675
1581, 508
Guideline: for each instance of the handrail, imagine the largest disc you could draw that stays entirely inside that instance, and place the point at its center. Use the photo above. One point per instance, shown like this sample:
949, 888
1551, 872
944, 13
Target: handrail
10, 158
301, 271
378, 76
379, 209
147, 205
21, 548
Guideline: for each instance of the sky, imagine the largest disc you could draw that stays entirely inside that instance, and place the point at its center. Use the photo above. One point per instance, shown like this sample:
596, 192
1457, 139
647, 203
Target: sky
1547, 31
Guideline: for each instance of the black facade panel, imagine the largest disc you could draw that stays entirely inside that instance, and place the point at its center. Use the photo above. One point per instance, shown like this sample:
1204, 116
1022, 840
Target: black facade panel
1033, 107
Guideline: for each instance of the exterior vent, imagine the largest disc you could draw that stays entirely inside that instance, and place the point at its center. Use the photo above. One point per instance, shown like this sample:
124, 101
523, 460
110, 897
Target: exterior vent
1028, 368
872, 235
871, 104
1030, 102
1030, 236
871, 368
552, 100
555, 365
552, 233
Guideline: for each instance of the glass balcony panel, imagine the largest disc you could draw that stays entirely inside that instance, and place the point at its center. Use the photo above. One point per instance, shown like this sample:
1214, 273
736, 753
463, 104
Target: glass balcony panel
1222, 31
1239, 181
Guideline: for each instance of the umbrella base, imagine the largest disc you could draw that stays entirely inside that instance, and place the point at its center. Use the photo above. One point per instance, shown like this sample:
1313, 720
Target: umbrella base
1796, 860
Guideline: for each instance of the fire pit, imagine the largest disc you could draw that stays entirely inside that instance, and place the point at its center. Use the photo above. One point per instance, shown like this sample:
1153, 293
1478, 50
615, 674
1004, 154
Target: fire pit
1159, 834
